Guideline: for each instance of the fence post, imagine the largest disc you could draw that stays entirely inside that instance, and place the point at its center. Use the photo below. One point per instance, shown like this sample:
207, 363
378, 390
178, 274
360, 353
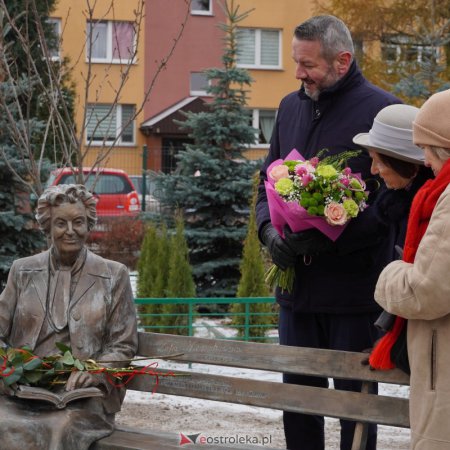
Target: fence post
247, 322
190, 319
144, 175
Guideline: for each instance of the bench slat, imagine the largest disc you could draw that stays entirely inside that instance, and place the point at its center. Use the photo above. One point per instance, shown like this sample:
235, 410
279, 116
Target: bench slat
361, 407
272, 357
303, 399
135, 439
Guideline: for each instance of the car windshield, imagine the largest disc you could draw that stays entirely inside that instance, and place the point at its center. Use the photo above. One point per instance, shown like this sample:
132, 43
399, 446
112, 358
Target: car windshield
137, 181
104, 183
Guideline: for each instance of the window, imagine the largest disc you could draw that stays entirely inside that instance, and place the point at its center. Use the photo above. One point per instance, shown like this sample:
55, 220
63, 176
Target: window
54, 44
201, 7
402, 49
102, 184
259, 48
108, 123
110, 41
264, 121
199, 84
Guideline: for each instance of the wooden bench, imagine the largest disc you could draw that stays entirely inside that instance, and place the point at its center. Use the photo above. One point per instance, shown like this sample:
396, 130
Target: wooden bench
362, 407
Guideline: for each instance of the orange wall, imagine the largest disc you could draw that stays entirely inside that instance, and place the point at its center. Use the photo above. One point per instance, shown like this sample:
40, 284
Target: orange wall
270, 86
105, 78
199, 48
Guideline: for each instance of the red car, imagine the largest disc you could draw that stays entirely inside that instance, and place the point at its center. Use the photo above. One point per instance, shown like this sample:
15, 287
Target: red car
115, 193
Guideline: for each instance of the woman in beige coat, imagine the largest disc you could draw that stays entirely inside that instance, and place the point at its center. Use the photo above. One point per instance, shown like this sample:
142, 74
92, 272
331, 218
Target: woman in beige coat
418, 288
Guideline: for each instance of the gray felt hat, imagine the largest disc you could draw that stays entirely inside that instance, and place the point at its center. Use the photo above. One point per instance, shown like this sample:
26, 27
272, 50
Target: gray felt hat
391, 134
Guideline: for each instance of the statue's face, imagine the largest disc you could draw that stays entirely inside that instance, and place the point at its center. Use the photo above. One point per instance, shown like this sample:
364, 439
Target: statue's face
69, 229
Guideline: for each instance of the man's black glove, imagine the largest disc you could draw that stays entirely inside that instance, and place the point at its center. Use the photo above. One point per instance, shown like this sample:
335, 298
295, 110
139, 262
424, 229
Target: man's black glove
282, 255
309, 242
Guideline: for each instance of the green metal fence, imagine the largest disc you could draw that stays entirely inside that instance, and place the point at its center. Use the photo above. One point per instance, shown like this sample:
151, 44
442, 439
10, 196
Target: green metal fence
202, 321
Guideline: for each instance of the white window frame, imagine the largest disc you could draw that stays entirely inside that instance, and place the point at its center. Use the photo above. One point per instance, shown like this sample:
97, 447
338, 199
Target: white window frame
258, 64
256, 125
118, 127
202, 12
109, 44
198, 93
403, 44
56, 21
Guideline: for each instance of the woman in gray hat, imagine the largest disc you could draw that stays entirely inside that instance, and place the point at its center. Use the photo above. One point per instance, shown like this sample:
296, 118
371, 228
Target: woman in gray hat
400, 164
417, 288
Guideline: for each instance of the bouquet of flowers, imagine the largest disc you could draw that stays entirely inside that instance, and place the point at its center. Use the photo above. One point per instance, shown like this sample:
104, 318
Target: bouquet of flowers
319, 193
19, 366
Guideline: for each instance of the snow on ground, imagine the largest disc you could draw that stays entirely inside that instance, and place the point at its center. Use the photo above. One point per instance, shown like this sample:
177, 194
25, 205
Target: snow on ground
210, 418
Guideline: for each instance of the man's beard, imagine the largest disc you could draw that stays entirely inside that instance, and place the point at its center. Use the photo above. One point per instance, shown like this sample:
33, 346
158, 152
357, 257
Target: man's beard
331, 78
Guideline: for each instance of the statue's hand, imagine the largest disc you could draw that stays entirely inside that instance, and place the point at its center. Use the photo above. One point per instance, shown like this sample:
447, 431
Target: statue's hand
81, 380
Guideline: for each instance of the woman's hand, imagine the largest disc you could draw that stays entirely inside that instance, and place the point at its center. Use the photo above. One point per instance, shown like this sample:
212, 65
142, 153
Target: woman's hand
81, 380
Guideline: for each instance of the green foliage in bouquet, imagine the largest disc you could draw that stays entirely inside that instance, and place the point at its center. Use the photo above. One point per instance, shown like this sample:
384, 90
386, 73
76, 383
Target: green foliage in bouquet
21, 366
318, 182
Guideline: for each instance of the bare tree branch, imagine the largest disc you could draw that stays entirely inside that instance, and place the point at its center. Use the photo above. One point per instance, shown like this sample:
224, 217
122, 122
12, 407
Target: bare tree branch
58, 130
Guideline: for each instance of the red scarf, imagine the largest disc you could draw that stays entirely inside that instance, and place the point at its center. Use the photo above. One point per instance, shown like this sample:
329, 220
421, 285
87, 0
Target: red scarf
419, 217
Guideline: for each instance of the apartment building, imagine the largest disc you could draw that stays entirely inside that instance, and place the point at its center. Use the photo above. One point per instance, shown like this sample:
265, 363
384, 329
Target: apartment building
156, 69
264, 39
105, 47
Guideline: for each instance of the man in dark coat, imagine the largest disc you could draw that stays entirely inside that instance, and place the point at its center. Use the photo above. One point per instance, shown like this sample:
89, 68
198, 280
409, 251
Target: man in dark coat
332, 304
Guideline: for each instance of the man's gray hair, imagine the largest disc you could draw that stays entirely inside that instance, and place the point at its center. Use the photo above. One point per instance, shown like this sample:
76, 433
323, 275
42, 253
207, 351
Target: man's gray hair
65, 193
331, 32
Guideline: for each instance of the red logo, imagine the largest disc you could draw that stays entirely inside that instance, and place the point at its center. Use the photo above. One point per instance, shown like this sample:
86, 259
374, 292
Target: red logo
188, 439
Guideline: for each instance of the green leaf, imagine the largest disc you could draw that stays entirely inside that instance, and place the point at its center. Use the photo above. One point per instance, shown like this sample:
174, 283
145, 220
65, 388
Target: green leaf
33, 377
68, 359
63, 347
10, 353
50, 372
17, 360
13, 378
33, 364
79, 365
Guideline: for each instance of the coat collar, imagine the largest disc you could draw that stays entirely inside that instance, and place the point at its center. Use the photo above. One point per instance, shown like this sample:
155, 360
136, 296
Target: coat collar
94, 264
37, 266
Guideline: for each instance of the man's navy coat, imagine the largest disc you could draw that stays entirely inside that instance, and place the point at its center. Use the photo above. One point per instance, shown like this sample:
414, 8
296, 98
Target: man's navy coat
342, 281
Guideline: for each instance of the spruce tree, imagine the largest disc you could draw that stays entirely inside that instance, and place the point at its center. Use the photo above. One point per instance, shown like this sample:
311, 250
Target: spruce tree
252, 282
212, 182
180, 283
22, 103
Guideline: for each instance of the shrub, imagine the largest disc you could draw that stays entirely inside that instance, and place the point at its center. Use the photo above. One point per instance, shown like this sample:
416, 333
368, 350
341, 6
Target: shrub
122, 241
252, 282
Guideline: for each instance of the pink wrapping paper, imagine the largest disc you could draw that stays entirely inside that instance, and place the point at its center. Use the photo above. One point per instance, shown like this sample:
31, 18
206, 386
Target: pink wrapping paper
291, 213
